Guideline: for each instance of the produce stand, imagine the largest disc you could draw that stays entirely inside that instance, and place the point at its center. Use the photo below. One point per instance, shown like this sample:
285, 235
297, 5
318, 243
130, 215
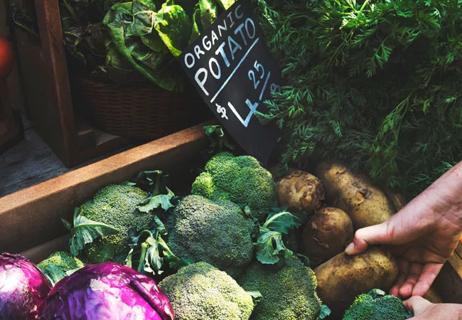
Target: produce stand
33, 216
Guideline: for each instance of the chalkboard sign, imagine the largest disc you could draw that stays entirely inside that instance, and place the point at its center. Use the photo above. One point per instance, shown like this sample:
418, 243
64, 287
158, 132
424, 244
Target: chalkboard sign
234, 72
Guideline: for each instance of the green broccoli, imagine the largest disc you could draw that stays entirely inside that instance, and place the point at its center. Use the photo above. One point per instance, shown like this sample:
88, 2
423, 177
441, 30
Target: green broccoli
214, 232
376, 305
115, 206
240, 179
289, 293
200, 291
59, 265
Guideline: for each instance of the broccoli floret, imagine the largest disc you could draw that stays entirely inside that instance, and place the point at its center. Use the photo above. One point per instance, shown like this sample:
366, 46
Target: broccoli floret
376, 305
59, 265
214, 232
200, 291
114, 205
289, 293
240, 179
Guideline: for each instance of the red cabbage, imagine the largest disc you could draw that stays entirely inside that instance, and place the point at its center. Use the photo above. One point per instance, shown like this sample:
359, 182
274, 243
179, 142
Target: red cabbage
107, 291
23, 288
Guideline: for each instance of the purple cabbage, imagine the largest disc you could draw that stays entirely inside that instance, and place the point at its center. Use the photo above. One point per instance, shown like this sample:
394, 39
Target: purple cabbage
107, 291
23, 288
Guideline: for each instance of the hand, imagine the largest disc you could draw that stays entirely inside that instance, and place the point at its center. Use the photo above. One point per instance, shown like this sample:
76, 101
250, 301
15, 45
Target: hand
424, 310
423, 235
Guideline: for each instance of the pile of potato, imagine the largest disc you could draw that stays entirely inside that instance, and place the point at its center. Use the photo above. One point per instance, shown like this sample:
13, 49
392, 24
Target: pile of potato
332, 206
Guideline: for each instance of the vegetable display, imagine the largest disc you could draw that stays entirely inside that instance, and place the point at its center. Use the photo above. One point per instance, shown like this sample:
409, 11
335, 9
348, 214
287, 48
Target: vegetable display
371, 83
200, 291
217, 259
377, 305
106, 291
23, 288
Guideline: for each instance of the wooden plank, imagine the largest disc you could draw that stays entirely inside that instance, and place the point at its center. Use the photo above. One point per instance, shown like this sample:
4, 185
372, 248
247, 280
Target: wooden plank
32, 216
51, 37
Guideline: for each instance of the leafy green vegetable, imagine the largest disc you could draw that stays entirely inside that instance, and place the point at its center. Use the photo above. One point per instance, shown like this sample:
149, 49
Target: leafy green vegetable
130, 25
84, 231
209, 11
158, 201
372, 83
152, 252
174, 27
270, 245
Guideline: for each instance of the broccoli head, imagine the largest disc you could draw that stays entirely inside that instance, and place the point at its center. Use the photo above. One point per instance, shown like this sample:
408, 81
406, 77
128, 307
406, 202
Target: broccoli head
214, 232
240, 179
289, 293
114, 205
200, 291
376, 305
59, 265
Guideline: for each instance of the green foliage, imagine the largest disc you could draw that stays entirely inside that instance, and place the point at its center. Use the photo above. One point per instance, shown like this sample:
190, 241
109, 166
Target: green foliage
372, 83
151, 252
131, 26
270, 247
84, 231
59, 265
240, 179
289, 293
221, 235
376, 305
200, 291
219, 140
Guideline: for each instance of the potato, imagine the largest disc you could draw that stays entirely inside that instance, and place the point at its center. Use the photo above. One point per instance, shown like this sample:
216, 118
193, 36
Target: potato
344, 277
366, 204
301, 193
326, 234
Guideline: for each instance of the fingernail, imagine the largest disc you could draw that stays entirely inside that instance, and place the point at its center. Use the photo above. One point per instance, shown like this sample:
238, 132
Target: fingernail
350, 249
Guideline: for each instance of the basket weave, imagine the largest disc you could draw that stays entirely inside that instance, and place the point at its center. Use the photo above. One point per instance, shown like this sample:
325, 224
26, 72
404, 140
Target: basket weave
138, 111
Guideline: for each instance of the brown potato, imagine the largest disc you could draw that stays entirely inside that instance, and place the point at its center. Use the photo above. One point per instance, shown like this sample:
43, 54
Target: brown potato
301, 192
326, 234
366, 204
344, 277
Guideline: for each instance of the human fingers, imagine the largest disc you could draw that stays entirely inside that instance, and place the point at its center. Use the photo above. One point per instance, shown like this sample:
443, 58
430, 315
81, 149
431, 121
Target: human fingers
417, 305
429, 273
403, 267
364, 237
415, 271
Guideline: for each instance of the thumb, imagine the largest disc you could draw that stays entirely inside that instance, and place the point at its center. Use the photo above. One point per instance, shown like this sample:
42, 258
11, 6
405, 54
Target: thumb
377, 234
417, 305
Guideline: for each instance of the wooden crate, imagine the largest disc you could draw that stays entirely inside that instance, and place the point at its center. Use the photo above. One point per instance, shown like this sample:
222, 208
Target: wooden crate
51, 104
30, 220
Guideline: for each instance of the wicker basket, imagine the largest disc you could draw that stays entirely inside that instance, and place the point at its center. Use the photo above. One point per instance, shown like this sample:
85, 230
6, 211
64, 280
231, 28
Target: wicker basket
139, 111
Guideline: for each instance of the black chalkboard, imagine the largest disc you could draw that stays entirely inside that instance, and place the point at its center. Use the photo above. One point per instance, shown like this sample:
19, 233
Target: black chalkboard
234, 72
